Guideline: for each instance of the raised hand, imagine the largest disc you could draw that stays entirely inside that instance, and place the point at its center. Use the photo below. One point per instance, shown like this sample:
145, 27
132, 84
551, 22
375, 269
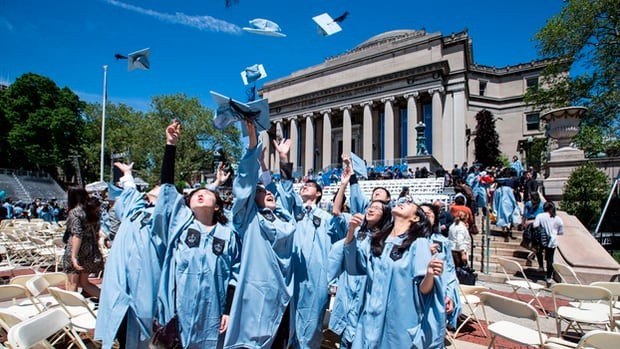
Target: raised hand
356, 221
124, 167
221, 176
172, 132
283, 148
435, 267
345, 177
346, 159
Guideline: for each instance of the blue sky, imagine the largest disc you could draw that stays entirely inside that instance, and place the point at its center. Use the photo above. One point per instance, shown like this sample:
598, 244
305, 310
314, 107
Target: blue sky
198, 45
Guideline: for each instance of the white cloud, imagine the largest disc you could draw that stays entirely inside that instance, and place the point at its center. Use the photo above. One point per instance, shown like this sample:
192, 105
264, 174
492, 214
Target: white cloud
5, 23
207, 23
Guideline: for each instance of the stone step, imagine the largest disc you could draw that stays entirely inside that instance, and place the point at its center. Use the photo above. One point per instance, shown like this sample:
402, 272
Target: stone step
520, 255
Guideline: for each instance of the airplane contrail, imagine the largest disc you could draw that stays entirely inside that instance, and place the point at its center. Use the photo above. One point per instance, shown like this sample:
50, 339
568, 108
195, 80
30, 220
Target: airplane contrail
206, 23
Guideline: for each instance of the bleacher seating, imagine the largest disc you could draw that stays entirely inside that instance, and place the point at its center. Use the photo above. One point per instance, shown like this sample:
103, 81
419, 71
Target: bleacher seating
9, 185
26, 186
42, 187
423, 189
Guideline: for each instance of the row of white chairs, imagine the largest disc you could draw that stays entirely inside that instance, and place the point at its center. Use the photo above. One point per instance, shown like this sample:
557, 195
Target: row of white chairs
27, 298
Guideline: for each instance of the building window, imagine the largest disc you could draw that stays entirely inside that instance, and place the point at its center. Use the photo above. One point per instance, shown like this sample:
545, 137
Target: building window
532, 122
532, 83
483, 87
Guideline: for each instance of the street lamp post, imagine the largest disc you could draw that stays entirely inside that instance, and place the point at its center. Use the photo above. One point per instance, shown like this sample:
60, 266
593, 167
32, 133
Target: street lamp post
105, 97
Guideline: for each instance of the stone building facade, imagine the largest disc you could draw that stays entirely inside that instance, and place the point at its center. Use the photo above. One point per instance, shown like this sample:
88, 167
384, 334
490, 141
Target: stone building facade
368, 101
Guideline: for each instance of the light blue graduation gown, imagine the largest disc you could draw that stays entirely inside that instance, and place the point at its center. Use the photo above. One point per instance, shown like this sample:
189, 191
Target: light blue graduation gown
505, 207
131, 276
358, 201
395, 313
265, 283
349, 295
315, 234
199, 265
448, 277
518, 167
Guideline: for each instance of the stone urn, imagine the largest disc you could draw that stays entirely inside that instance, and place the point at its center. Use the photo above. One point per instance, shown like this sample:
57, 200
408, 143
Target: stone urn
564, 124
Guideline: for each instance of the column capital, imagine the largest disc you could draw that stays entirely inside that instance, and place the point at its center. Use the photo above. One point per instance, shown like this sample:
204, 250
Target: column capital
292, 118
438, 89
346, 107
325, 111
388, 99
367, 103
307, 115
413, 94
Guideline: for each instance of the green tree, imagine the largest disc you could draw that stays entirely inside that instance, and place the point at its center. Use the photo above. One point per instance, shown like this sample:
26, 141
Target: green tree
585, 193
586, 36
42, 123
486, 142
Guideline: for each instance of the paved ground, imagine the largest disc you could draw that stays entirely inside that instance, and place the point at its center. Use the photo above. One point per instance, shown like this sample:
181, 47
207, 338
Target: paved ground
470, 335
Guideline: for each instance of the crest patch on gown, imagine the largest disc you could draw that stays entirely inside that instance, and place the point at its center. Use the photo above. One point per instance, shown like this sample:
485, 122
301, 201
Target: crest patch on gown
218, 246
193, 238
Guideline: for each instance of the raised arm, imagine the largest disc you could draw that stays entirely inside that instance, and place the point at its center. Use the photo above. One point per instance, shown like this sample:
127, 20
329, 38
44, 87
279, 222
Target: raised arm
339, 200
167, 167
244, 186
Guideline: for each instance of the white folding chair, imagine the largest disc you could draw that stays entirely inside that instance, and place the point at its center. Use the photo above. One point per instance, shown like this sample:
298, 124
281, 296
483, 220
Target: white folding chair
37, 330
470, 299
509, 330
614, 289
510, 269
6, 264
595, 339
576, 316
566, 273
81, 312
17, 299
37, 286
9, 319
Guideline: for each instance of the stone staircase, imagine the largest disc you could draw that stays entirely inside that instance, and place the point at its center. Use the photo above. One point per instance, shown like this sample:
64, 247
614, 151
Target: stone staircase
499, 247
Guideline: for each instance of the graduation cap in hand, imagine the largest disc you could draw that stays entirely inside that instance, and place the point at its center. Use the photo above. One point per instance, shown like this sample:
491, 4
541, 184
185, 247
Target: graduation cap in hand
253, 73
229, 111
137, 60
264, 27
327, 25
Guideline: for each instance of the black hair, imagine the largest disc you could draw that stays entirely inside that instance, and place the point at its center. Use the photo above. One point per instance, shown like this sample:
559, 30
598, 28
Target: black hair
318, 188
535, 199
459, 200
549, 207
434, 227
389, 196
218, 216
386, 216
78, 196
418, 229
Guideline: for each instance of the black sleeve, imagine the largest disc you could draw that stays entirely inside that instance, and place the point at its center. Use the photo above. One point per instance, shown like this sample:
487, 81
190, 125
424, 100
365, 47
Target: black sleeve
167, 166
230, 293
353, 179
286, 170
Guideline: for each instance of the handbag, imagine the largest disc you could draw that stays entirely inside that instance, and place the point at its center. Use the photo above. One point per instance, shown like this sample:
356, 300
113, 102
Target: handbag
166, 336
466, 275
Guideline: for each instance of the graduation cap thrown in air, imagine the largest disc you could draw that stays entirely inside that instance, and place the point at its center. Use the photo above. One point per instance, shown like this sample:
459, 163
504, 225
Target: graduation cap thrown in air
359, 166
264, 27
253, 73
139, 60
228, 111
327, 25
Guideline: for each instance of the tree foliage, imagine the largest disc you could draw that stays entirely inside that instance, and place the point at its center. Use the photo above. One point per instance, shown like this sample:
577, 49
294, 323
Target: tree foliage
41, 124
586, 36
585, 193
486, 142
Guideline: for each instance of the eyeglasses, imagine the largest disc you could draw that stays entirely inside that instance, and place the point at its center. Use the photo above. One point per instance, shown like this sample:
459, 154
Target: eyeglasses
405, 200
375, 208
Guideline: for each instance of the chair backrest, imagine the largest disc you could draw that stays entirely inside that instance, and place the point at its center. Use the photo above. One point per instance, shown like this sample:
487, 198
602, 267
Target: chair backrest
12, 292
600, 339
56, 278
71, 301
510, 268
21, 279
509, 306
37, 329
612, 287
9, 319
37, 285
581, 292
566, 273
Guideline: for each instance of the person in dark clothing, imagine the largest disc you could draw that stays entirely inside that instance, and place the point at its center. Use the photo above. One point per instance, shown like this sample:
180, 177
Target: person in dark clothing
531, 186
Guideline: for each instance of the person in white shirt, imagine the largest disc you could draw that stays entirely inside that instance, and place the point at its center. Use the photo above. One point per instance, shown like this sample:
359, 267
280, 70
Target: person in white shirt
460, 240
554, 226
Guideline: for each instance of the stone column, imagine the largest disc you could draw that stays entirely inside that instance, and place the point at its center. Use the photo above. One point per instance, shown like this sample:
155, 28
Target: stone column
412, 121
346, 129
294, 139
276, 162
437, 124
388, 130
460, 113
367, 132
309, 147
327, 138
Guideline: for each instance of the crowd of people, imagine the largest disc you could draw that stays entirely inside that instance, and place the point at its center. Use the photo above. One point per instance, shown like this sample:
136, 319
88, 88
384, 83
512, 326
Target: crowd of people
49, 210
255, 267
